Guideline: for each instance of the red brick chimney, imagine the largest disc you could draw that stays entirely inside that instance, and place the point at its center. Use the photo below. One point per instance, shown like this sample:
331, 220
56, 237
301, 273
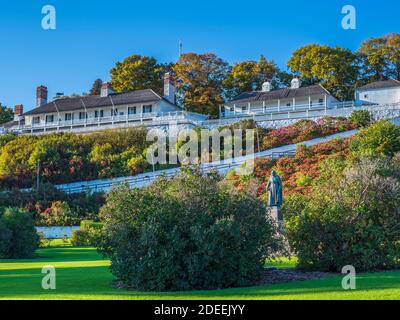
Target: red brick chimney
41, 96
169, 88
106, 90
18, 112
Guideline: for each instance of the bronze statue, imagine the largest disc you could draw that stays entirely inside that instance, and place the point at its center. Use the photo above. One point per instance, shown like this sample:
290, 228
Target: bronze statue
274, 189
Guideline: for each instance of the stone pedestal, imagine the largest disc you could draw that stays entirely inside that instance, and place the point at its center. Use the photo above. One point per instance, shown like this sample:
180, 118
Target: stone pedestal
277, 216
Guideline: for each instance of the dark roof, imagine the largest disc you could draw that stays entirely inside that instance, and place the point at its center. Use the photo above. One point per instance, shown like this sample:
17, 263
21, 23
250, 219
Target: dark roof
280, 94
70, 104
13, 123
381, 84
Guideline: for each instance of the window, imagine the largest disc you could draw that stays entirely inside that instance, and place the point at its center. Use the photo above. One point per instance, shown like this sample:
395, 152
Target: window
321, 100
132, 110
147, 108
36, 120
82, 115
49, 118
68, 116
288, 105
366, 96
99, 114
244, 108
114, 112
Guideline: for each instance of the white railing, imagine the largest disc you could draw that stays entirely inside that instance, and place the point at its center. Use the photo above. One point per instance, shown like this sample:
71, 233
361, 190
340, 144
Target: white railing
146, 179
154, 116
228, 113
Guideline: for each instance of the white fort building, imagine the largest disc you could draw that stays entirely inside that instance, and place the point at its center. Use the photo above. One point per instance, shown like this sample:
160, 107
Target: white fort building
145, 107
105, 111
305, 102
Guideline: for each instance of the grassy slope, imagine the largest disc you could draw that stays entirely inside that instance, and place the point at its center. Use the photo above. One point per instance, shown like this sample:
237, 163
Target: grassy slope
83, 274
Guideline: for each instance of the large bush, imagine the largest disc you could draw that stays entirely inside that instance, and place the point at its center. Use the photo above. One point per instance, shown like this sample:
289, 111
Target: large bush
352, 219
191, 232
380, 139
18, 237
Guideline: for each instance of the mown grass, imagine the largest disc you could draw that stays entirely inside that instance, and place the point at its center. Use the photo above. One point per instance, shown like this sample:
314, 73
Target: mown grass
83, 274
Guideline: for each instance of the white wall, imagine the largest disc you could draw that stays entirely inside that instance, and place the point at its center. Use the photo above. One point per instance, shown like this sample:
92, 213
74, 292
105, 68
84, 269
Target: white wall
379, 96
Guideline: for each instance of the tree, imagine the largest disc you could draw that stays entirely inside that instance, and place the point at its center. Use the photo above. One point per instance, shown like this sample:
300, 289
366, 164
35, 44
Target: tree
96, 87
18, 237
374, 56
136, 73
247, 75
380, 58
334, 67
6, 114
200, 82
191, 232
394, 53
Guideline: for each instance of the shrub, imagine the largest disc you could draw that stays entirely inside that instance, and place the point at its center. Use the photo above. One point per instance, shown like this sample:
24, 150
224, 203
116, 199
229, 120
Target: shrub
305, 130
79, 238
88, 234
361, 118
353, 220
303, 180
69, 157
18, 237
191, 232
59, 214
380, 139
48, 200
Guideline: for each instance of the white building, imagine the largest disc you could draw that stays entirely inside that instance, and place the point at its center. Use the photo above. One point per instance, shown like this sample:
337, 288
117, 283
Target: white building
106, 111
379, 92
267, 101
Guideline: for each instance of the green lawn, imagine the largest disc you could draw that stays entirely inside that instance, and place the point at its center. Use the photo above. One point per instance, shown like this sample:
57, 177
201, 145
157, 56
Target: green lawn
83, 274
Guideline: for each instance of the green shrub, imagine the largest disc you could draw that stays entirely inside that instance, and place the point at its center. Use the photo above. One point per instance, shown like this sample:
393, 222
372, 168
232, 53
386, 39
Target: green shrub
18, 237
48, 203
59, 214
87, 235
361, 118
191, 232
353, 219
80, 238
380, 139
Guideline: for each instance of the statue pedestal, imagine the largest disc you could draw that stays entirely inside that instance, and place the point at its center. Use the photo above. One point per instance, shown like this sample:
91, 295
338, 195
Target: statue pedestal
276, 214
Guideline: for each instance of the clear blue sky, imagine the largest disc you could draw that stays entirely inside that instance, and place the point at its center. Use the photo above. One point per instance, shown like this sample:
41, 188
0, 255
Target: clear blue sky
91, 36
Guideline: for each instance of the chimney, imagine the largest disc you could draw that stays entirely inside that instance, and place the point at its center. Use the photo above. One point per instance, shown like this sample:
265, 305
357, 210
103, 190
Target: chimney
106, 90
18, 112
266, 86
295, 84
169, 88
41, 96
